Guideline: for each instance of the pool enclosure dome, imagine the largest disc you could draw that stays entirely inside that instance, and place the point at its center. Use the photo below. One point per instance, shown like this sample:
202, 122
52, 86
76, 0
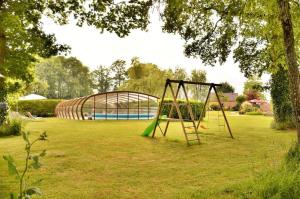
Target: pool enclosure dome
109, 105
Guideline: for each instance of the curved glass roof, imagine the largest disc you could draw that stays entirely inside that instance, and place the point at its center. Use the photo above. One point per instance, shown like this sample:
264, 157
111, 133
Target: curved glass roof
109, 105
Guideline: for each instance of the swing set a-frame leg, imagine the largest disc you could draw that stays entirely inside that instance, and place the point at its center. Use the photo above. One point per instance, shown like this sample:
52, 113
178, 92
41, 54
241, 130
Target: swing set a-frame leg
191, 114
160, 108
204, 107
172, 108
221, 107
178, 111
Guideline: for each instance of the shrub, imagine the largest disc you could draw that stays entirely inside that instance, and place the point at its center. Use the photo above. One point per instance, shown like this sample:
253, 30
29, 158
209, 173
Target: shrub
236, 107
215, 107
196, 108
12, 126
240, 99
40, 108
289, 124
3, 111
246, 107
282, 104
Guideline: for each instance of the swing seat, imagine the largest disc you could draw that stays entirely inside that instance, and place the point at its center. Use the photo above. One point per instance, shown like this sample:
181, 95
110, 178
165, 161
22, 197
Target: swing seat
203, 127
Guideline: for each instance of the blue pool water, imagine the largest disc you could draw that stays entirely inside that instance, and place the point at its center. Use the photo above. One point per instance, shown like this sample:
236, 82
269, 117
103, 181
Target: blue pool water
123, 116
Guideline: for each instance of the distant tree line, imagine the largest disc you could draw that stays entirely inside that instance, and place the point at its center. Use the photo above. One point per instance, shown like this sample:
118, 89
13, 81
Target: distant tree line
60, 77
65, 78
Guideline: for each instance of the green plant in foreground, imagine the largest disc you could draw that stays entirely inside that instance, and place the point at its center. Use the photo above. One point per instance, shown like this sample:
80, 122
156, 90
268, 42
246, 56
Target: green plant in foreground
31, 161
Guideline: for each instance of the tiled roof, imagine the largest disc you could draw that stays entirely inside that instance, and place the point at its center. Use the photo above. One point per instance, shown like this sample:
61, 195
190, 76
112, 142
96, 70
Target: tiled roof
229, 97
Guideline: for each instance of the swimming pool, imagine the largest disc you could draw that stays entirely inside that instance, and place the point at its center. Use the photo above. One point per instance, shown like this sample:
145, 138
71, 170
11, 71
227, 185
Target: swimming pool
111, 116
124, 105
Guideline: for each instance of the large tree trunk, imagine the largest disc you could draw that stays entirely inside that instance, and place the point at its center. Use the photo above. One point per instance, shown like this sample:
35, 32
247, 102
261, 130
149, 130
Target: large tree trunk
2, 58
3, 89
291, 58
2, 48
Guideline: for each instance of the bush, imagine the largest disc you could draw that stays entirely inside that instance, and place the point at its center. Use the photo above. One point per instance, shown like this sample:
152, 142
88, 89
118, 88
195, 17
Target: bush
240, 99
215, 107
3, 111
290, 124
246, 107
236, 107
196, 108
40, 108
282, 104
12, 126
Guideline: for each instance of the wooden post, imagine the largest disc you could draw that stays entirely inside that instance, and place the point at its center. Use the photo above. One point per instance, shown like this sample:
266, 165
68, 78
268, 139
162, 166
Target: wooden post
138, 106
227, 124
190, 112
106, 106
148, 108
94, 107
117, 106
171, 110
128, 106
160, 107
179, 112
81, 108
204, 106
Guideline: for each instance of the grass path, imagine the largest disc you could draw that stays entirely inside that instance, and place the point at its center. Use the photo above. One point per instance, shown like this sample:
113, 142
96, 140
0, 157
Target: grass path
109, 159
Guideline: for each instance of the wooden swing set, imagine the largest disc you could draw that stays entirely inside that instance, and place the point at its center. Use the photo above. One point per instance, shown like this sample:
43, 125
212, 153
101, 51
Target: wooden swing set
192, 120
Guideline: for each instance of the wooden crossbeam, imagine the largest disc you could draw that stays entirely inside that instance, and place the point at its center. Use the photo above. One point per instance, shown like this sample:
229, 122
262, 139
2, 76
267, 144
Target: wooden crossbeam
192, 82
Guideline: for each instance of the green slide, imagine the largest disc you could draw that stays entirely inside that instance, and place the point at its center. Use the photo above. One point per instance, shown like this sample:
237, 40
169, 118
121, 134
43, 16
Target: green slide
149, 129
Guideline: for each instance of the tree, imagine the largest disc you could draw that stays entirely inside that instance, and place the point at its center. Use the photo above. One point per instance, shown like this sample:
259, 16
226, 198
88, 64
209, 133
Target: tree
146, 78
199, 93
291, 57
226, 88
119, 70
198, 75
66, 77
240, 99
136, 69
180, 74
37, 87
253, 89
101, 79
260, 34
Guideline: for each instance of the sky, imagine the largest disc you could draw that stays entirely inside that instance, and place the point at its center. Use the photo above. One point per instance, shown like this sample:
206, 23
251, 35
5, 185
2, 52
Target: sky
94, 48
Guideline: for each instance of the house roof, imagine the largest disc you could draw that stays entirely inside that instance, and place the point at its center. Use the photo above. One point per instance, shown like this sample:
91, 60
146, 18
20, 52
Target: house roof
229, 97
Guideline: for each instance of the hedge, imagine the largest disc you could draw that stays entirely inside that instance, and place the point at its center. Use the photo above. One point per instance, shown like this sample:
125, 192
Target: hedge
196, 108
40, 108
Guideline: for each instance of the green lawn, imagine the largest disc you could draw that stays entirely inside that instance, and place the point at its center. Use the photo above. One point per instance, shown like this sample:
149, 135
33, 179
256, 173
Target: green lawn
109, 159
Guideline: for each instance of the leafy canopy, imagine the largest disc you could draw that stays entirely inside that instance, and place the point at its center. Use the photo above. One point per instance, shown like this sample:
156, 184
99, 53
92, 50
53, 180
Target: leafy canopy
22, 36
250, 29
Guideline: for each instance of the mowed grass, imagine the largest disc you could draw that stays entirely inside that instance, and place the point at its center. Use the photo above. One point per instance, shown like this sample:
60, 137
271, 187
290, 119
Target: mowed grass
109, 159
